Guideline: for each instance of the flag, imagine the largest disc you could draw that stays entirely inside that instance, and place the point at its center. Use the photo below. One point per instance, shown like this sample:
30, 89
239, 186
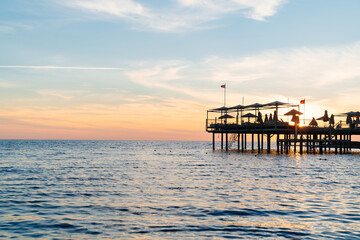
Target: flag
223, 86
302, 101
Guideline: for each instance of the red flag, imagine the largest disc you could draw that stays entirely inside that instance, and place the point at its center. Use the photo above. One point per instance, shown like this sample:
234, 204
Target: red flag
302, 101
223, 86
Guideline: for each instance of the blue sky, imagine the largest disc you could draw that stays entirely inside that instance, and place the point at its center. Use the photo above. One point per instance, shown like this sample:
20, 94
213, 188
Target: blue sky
170, 57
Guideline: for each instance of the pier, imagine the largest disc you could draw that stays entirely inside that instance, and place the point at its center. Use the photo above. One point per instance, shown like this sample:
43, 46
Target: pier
261, 128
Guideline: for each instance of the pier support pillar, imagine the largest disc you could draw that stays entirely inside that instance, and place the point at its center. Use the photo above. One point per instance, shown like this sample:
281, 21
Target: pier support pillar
245, 141
227, 142
336, 144
268, 142
262, 142
258, 140
242, 142
350, 142
238, 140
301, 144
341, 144
222, 141
252, 142
307, 143
277, 144
213, 141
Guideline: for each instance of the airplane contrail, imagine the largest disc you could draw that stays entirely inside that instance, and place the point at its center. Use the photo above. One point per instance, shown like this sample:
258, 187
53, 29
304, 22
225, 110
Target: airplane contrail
63, 67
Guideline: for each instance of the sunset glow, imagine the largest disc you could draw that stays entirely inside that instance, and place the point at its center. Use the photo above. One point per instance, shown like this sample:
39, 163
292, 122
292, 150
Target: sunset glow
150, 71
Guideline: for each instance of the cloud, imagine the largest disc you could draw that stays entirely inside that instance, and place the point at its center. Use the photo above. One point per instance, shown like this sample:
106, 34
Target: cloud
60, 67
8, 85
178, 15
318, 73
6, 29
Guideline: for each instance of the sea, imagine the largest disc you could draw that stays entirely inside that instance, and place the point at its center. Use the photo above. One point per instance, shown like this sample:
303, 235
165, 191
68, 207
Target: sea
173, 190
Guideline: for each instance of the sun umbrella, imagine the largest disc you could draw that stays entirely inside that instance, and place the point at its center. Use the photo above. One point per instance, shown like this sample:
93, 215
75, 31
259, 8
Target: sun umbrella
348, 119
270, 118
326, 117
275, 116
332, 119
266, 118
313, 123
259, 118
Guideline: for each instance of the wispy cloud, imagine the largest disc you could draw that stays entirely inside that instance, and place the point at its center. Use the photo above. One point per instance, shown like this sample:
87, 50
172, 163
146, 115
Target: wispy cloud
6, 28
318, 73
8, 85
178, 15
60, 67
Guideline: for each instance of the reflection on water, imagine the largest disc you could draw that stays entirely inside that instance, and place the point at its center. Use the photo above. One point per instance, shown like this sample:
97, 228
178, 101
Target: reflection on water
127, 189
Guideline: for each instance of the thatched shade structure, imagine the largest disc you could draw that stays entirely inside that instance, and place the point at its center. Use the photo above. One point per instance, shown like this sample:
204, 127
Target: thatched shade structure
293, 112
249, 115
225, 116
313, 123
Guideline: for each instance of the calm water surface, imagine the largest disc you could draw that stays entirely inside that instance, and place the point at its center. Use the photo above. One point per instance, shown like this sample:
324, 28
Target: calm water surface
140, 189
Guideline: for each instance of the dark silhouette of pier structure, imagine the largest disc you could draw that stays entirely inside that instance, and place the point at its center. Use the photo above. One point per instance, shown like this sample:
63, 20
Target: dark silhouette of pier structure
290, 132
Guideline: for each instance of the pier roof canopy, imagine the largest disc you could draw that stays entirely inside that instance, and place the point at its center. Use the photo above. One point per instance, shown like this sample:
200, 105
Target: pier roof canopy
219, 109
237, 107
353, 114
255, 105
275, 104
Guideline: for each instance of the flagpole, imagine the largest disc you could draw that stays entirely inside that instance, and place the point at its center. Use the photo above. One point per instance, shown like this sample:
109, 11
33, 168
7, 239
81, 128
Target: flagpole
304, 111
225, 95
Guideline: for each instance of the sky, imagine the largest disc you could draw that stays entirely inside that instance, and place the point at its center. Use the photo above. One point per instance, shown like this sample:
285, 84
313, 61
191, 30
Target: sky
149, 70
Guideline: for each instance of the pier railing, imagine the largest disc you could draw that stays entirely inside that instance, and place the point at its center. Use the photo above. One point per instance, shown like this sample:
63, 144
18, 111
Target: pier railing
218, 125
232, 124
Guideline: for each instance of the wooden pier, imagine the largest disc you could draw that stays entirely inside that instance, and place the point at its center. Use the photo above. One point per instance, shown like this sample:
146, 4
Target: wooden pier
235, 133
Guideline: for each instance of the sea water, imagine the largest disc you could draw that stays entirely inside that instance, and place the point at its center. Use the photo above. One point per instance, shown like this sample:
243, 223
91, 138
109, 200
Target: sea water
172, 190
